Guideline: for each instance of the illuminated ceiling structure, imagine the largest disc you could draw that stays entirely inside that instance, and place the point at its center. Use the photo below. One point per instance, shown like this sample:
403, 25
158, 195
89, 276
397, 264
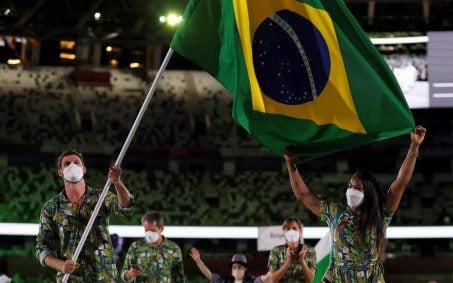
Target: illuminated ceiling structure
136, 30
136, 22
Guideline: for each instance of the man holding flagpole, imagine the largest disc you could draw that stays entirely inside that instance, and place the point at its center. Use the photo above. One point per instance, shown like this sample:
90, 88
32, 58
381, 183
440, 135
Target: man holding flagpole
65, 217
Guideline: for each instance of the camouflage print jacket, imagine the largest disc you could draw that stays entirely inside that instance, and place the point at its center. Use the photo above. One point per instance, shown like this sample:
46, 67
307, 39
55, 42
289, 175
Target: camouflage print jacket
61, 227
157, 263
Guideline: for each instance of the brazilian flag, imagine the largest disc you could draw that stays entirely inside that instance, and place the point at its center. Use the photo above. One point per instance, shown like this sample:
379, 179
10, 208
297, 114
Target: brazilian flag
303, 73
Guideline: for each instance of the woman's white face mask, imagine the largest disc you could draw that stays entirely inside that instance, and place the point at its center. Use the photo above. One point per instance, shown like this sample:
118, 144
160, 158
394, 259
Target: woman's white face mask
73, 173
292, 236
354, 197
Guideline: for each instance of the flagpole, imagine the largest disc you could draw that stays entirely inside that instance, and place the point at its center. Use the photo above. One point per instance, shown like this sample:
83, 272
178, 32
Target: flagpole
121, 156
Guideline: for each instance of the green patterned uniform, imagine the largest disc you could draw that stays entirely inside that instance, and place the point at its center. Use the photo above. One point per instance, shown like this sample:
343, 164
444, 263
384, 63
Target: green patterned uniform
61, 227
294, 273
353, 259
157, 263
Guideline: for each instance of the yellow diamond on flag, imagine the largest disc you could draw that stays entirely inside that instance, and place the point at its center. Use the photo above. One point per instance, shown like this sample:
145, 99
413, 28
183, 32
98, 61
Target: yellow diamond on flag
294, 63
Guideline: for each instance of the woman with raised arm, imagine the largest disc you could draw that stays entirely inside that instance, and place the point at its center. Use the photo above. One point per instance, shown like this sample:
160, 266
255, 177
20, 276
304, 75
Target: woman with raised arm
358, 227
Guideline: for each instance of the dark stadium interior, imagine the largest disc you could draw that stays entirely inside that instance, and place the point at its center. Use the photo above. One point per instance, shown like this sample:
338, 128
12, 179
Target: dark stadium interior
189, 159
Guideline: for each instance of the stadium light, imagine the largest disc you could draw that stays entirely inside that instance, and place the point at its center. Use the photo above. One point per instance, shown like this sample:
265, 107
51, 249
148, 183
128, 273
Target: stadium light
171, 19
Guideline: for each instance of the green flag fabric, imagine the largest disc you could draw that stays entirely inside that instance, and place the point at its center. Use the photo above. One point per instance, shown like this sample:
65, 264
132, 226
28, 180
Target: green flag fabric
303, 74
323, 251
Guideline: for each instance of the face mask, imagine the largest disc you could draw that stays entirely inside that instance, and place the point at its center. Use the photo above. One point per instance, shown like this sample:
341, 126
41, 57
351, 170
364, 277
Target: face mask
292, 236
354, 197
151, 236
238, 274
73, 173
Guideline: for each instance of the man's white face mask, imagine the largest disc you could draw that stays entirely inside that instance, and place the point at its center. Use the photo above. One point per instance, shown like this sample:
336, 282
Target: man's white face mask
73, 173
151, 236
354, 197
292, 236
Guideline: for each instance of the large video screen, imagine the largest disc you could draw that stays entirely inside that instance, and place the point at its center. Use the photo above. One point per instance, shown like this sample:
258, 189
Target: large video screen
425, 76
440, 62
